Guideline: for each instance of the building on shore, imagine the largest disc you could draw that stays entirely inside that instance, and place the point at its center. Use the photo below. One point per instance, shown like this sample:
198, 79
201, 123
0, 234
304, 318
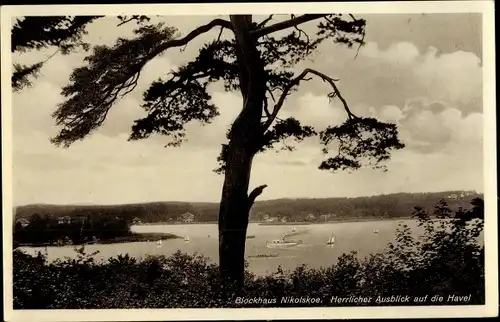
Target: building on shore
463, 194
64, 220
324, 217
310, 217
23, 222
187, 218
262, 216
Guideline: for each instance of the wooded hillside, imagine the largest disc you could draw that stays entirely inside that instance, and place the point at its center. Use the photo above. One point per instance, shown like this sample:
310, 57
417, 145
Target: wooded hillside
377, 207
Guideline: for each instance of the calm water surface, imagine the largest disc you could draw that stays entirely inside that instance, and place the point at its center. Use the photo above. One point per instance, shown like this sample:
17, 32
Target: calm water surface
350, 236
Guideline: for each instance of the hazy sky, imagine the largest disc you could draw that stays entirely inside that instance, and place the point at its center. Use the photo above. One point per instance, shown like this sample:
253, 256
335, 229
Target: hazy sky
422, 72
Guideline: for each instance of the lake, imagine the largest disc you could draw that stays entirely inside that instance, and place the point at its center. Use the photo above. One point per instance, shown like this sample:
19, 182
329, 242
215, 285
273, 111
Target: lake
350, 236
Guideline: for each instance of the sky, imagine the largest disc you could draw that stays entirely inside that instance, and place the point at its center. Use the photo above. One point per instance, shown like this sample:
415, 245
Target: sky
420, 71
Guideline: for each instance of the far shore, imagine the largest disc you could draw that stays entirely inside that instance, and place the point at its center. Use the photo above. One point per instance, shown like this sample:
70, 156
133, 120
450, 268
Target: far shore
288, 223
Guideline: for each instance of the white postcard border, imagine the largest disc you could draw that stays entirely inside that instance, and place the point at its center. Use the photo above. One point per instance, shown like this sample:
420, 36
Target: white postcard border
490, 191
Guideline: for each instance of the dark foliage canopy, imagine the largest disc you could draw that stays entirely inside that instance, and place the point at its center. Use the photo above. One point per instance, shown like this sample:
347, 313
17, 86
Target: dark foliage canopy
181, 96
37, 33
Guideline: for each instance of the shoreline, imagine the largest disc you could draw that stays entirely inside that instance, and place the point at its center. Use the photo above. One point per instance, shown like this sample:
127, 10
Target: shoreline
291, 223
148, 237
134, 238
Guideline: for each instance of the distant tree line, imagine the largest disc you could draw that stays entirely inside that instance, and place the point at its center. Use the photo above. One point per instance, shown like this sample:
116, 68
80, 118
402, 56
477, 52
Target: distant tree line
336, 209
45, 229
376, 207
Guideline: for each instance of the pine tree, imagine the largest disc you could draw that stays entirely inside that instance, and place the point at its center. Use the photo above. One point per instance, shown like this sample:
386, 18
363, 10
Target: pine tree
257, 59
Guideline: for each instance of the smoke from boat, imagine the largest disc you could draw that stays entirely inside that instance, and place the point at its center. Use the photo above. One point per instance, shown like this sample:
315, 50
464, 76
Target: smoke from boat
297, 233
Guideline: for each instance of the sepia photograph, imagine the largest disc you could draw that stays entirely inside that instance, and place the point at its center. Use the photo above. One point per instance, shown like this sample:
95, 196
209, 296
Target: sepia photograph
286, 161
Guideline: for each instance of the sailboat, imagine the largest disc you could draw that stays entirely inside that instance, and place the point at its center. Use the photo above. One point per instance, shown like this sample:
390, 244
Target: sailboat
294, 229
331, 241
186, 239
159, 243
375, 231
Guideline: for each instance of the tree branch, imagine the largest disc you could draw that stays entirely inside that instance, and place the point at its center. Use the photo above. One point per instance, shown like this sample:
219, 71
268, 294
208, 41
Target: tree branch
126, 21
125, 80
265, 21
285, 24
190, 36
254, 194
266, 109
271, 94
362, 37
138, 18
220, 33
48, 58
302, 32
295, 82
133, 84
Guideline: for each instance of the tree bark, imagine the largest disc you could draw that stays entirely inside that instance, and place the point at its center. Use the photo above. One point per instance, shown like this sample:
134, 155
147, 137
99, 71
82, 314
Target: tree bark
233, 215
243, 138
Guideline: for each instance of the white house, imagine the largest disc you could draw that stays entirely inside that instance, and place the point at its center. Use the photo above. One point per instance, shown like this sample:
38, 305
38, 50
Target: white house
466, 193
264, 216
271, 219
324, 217
64, 220
23, 221
187, 217
311, 217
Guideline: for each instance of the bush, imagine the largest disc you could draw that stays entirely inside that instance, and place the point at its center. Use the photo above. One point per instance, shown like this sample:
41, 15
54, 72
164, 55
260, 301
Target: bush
447, 260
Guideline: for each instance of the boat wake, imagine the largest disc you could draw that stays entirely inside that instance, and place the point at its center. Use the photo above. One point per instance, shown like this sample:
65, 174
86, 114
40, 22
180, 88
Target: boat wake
295, 233
282, 243
264, 256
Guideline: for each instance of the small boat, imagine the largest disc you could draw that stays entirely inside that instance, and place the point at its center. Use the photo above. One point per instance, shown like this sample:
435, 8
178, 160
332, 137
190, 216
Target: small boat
331, 241
159, 243
186, 239
251, 237
375, 231
281, 243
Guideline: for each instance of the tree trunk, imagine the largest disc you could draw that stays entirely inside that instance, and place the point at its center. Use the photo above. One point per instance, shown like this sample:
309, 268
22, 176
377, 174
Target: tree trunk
235, 203
243, 138
233, 215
